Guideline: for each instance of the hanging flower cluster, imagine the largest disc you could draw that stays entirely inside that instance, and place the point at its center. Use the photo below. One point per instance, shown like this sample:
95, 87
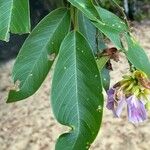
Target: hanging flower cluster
132, 91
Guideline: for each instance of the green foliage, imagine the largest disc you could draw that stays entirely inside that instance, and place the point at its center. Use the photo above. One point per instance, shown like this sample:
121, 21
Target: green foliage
36, 55
79, 102
78, 80
137, 56
105, 78
14, 17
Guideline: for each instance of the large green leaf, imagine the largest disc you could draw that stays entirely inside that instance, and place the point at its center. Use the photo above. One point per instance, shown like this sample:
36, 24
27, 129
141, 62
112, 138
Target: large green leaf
37, 54
94, 37
77, 99
137, 56
14, 17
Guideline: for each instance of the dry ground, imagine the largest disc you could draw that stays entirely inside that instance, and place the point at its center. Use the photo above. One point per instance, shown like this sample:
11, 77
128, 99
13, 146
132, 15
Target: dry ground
30, 125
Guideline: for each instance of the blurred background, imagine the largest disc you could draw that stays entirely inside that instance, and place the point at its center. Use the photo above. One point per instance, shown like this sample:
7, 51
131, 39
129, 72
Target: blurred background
30, 125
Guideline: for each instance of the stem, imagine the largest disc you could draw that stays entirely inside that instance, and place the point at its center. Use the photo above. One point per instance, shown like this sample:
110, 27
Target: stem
132, 68
75, 18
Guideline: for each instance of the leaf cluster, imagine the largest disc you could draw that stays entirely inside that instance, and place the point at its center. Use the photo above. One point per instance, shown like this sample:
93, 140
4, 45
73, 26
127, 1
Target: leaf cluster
75, 35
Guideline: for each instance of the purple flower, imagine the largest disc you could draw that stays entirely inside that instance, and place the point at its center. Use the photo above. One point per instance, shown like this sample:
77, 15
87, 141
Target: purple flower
136, 110
121, 104
110, 100
115, 105
132, 91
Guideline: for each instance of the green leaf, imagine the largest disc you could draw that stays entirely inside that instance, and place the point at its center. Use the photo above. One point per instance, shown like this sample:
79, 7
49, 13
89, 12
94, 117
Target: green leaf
14, 17
37, 54
77, 99
137, 56
105, 78
101, 62
86, 6
113, 27
99, 17
94, 37
111, 19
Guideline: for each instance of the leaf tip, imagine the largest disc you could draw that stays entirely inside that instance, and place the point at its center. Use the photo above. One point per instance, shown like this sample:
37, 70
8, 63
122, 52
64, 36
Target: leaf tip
9, 100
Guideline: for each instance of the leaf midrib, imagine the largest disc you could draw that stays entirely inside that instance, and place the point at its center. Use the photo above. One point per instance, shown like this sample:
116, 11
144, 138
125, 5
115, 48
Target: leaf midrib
9, 22
76, 88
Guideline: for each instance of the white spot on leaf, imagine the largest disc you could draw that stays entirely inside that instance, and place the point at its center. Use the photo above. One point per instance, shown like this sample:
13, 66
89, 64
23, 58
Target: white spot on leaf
103, 23
15, 87
51, 57
31, 75
82, 5
65, 68
96, 76
99, 109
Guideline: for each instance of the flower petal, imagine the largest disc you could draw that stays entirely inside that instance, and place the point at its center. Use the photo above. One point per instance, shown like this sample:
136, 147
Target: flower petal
110, 99
136, 110
121, 105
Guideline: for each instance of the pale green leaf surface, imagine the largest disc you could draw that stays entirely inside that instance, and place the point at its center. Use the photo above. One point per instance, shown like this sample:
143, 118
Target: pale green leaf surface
34, 59
14, 17
101, 62
105, 78
77, 99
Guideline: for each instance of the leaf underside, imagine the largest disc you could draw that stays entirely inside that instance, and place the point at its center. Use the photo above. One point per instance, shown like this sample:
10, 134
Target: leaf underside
77, 99
34, 59
14, 17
